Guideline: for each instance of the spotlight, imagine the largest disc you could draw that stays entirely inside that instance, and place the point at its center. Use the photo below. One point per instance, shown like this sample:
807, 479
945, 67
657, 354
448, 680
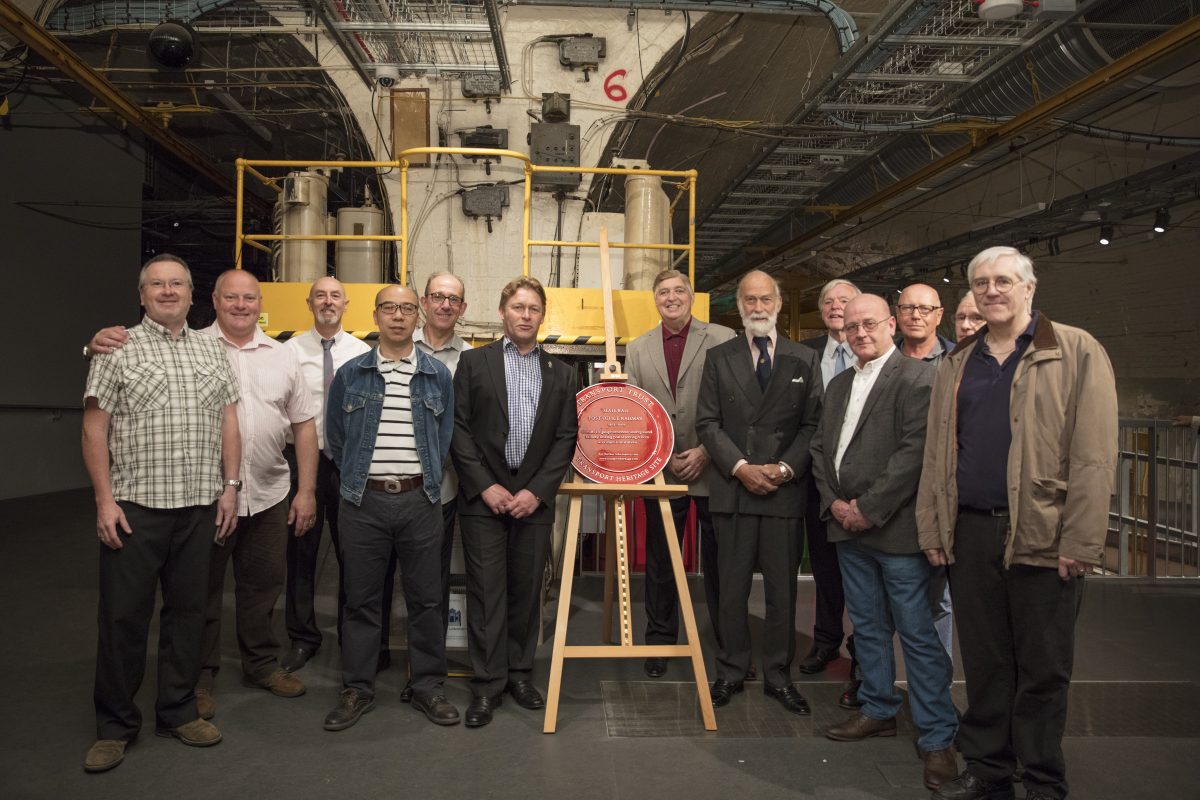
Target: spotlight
1106, 234
946, 276
1162, 218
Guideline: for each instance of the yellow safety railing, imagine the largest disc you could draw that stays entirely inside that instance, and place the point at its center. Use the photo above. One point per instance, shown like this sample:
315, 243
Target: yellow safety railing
687, 183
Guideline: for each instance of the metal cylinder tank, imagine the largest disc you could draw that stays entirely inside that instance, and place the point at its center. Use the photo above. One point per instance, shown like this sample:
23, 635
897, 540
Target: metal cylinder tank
359, 262
303, 212
647, 220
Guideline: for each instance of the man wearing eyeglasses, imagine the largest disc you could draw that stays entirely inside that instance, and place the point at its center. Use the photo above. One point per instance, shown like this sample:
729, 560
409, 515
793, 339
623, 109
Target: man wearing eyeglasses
442, 305
866, 462
919, 312
388, 425
1014, 496
321, 350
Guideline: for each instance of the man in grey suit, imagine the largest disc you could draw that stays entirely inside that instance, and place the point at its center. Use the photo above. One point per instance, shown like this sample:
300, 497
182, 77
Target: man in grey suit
759, 404
667, 361
866, 459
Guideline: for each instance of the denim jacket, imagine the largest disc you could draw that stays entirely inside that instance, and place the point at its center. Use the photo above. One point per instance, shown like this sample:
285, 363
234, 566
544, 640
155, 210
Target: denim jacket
354, 406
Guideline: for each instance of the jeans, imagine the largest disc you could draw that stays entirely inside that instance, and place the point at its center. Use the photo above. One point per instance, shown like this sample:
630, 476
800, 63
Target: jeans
887, 594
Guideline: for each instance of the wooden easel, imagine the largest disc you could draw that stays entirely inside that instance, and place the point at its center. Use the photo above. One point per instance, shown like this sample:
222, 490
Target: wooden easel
617, 566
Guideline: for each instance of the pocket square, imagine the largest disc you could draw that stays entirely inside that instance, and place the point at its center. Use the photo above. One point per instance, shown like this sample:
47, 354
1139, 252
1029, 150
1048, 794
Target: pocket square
797, 380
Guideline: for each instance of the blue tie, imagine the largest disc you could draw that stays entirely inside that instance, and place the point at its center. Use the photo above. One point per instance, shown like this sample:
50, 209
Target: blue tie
839, 363
763, 368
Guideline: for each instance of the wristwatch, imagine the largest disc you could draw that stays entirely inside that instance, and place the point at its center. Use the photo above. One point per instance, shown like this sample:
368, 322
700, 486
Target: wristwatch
785, 471
87, 353
235, 483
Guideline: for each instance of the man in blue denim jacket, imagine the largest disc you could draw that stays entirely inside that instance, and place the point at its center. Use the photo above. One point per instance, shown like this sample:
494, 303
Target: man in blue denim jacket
389, 418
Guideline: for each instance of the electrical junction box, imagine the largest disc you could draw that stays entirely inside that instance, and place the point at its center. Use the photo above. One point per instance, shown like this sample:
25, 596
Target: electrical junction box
556, 107
485, 201
581, 52
554, 144
481, 86
1048, 10
484, 136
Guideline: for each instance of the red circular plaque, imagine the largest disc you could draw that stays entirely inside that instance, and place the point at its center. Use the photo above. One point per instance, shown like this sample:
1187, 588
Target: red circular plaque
625, 434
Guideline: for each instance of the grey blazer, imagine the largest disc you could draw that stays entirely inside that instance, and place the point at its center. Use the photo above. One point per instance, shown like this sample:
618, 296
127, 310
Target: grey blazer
882, 465
735, 419
647, 368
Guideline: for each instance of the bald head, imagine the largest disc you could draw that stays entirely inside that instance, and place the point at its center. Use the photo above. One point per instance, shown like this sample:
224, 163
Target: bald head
237, 300
920, 312
869, 327
327, 301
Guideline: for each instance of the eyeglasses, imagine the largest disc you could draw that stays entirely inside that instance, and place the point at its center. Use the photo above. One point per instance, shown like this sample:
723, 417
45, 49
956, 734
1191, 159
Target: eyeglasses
388, 309
907, 310
1003, 284
175, 283
438, 298
868, 325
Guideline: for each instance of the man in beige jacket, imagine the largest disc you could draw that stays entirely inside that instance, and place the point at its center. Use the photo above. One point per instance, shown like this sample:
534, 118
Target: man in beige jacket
1014, 496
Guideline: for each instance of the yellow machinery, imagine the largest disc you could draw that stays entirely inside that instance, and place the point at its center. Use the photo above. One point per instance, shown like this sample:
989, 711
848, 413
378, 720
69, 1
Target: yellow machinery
573, 316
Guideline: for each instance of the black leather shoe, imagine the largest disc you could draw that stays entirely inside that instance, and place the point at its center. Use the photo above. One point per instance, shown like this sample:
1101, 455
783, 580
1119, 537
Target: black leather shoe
352, 704
789, 697
967, 787
526, 696
297, 657
723, 691
479, 713
385, 660
406, 694
655, 667
817, 658
849, 699
752, 673
439, 710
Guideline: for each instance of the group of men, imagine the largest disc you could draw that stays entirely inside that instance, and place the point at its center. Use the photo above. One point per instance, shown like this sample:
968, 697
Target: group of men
883, 442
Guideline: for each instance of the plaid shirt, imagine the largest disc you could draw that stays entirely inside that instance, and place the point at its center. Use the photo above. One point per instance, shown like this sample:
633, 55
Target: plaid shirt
166, 399
523, 377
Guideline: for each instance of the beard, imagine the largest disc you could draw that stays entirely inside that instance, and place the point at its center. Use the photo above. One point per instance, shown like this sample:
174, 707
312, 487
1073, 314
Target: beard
760, 327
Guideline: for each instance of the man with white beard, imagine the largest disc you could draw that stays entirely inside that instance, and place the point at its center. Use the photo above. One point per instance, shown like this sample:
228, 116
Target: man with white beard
760, 400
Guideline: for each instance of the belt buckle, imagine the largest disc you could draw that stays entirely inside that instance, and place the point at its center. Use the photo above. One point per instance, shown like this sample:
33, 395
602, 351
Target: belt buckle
392, 486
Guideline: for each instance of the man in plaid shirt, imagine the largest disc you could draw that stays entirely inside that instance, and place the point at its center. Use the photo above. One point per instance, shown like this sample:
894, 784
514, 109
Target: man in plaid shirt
161, 444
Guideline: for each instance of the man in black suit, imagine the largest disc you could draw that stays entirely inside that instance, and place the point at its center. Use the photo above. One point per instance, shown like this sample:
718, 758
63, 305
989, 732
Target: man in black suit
866, 459
835, 357
760, 400
511, 401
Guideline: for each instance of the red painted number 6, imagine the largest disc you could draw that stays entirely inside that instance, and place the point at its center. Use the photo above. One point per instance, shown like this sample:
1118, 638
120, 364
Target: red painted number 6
615, 91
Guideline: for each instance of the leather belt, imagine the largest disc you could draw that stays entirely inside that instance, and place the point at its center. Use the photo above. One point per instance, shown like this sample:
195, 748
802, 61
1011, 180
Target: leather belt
395, 486
984, 512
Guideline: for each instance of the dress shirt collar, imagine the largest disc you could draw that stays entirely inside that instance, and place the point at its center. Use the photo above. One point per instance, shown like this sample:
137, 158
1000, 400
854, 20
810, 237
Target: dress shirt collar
510, 346
257, 340
318, 338
455, 341
683, 332
754, 348
162, 330
874, 365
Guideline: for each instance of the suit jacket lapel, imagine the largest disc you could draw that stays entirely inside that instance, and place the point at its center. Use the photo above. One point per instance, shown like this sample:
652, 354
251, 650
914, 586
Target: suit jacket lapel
658, 359
743, 375
495, 362
691, 349
782, 369
547, 384
878, 389
836, 401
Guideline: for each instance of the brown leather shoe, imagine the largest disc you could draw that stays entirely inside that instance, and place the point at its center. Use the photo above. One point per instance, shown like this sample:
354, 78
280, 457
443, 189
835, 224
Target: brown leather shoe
205, 705
196, 733
104, 755
860, 727
941, 766
279, 683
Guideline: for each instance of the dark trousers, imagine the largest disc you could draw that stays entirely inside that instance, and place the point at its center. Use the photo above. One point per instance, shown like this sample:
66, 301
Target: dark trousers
1016, 634
302, 555
506, 562
171, 547
830, 600
405, 526
662, 597
746, 542
257, 547
449, 514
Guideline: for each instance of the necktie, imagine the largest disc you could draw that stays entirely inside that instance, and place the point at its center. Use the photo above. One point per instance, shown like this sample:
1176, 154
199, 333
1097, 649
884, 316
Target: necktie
763, 368
327, 368
327, 345
839, 363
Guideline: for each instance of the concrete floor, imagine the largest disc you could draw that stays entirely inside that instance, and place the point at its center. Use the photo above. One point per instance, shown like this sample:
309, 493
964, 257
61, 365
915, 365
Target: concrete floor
1133, 724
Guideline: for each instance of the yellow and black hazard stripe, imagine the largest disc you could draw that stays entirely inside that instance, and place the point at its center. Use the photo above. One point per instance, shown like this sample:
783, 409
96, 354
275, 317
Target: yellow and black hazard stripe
551, 338
283, 336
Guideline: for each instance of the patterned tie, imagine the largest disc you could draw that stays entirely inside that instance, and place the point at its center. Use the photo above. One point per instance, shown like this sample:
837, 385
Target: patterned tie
763, 369
839, 363
327, 366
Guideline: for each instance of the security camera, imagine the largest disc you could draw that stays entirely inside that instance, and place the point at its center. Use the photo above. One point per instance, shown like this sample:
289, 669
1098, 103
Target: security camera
387, 77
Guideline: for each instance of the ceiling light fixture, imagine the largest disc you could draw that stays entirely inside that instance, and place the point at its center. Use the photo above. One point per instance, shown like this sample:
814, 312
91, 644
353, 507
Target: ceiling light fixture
946, 276
1106, 234
1162, 218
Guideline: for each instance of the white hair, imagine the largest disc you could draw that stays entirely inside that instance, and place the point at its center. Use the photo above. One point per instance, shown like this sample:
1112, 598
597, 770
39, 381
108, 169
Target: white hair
1022, 263
833, 284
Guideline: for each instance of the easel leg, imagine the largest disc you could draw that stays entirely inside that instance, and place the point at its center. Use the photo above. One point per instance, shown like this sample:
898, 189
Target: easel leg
564, 612
610, 570
688, 614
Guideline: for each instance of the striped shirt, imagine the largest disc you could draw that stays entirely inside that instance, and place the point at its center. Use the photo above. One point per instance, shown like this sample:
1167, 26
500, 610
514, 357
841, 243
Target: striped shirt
166, 398
273, 399
395, 455
523, 377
